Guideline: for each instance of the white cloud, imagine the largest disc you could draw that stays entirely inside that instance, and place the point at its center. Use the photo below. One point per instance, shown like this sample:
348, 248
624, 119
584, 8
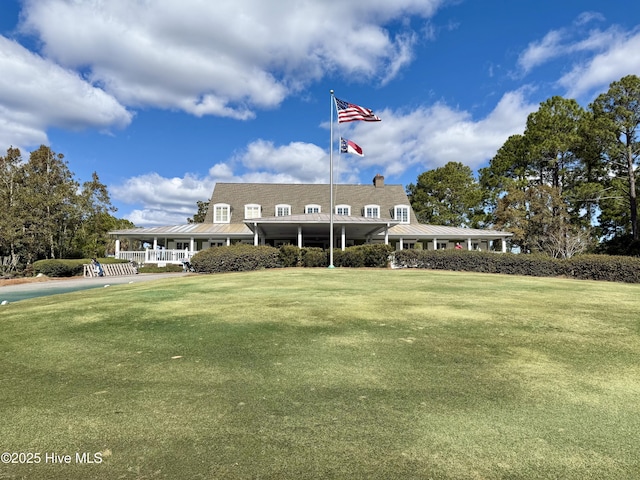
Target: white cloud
36, 94
541, 51
599, 56
303, 162
588, 17
560, 43
164, 201
620, 59
226, 57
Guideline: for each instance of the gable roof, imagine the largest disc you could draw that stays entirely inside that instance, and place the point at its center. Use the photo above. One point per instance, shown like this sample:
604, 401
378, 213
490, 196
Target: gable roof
268, 195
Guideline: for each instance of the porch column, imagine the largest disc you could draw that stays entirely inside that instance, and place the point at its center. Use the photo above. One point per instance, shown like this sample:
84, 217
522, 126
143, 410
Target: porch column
228, 241
255, 234
435, 243
343, 237
117, 248
155, 243
468, 243
386, 235
504, 245
401, 243
191, 244
299, 236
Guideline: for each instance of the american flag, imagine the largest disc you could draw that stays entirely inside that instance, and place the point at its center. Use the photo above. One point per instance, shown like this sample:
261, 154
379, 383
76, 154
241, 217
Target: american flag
348, 112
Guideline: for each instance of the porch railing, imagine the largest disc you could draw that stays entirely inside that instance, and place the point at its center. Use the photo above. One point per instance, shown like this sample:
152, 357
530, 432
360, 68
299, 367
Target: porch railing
157, 256
132, 256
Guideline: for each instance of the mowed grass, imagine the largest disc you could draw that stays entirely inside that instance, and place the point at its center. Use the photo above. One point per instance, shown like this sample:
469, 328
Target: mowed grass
326, 374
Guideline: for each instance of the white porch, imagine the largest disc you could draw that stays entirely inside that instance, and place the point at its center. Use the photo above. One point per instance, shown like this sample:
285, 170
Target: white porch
177, 244
163, 256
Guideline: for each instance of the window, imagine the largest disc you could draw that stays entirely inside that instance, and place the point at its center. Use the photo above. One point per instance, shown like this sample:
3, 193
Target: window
283, 210
372, 211
312, 209
401, 213
442, 246
221, 213
343, 210
252, 210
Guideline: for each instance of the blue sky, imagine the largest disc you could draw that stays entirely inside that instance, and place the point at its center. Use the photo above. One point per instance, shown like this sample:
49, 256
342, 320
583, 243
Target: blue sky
163, 99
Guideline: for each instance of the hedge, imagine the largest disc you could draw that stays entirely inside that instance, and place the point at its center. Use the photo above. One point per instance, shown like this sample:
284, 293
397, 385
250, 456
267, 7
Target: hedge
369, 255
374, 255
236, 258
314, 257
67, 268
290, 256
242, 257
584, 267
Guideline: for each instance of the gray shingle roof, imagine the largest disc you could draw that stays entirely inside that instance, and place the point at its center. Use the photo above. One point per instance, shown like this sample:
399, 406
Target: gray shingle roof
268, 195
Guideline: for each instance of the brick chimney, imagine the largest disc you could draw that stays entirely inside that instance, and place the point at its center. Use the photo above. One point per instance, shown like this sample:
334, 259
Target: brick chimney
378, 181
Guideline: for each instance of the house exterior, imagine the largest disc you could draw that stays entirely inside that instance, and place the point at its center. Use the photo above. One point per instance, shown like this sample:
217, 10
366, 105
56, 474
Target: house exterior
299, 214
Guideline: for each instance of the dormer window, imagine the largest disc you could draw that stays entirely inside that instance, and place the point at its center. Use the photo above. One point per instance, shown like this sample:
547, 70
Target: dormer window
313, 208
283, 210
372, 211
343, 210
252, 210
401, 213
221, 213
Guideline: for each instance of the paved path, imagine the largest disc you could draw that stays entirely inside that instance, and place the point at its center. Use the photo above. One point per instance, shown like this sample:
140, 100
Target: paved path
14, 293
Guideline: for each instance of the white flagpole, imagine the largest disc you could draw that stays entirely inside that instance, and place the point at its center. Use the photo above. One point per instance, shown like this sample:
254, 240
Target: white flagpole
331, 186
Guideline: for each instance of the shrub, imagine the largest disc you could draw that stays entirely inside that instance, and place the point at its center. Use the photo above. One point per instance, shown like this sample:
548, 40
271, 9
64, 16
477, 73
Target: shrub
67, 268
603, 267
236, 258
585, 267
350, 257
152, 268
314, 257
374, 255
290, 256
58, 268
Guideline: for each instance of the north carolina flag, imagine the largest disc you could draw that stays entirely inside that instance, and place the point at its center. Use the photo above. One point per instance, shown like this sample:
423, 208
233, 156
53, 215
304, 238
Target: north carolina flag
348, 112
347, 146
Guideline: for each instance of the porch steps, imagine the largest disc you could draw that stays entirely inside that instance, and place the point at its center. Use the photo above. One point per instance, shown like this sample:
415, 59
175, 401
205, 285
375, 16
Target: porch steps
111, 270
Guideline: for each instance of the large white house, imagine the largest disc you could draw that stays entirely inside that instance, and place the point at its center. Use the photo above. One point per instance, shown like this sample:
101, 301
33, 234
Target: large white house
299, 214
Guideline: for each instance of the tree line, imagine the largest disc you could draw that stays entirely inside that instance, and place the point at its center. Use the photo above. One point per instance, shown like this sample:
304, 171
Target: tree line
568, 184
46, 213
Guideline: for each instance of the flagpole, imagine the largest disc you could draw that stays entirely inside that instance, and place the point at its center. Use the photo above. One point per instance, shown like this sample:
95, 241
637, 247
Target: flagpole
331, 185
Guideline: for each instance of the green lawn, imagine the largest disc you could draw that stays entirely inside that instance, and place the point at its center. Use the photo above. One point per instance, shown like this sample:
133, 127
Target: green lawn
323, 374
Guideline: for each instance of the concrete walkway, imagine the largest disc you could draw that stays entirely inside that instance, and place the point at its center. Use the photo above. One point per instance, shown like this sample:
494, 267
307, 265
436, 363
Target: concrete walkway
14, 293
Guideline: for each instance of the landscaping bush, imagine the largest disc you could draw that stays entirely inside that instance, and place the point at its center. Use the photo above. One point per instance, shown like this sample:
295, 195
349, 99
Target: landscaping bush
290, 256
236, 258
153, 268
376, 254
67, 268
369, 255
603, 267
315, 257
58, 268
584, 267
351, 257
